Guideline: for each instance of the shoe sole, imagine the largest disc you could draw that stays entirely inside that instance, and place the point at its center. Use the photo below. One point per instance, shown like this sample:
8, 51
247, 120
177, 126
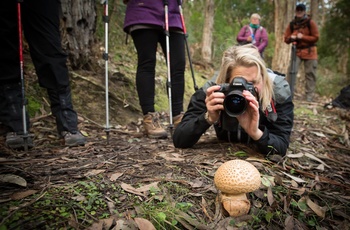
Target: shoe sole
157, 137
75, 144
19, 146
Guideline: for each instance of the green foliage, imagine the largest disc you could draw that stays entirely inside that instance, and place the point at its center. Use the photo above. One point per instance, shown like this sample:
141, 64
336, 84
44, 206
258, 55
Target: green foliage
334, 36
33, 105
83, 201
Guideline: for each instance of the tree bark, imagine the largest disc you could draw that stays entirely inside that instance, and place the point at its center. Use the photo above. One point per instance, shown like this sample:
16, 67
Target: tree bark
284, 13
314, 10
78, 28
208, 31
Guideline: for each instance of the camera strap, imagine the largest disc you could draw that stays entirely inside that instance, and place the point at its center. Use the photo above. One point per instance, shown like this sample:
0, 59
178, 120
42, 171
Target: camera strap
270, 112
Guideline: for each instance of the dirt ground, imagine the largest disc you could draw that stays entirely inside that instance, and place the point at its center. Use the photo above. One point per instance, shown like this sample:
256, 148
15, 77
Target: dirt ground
315, 173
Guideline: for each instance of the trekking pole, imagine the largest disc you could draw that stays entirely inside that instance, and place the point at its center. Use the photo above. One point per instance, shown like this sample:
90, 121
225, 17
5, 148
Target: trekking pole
186, 43
105, 57
293, 70
24, 100
167, 35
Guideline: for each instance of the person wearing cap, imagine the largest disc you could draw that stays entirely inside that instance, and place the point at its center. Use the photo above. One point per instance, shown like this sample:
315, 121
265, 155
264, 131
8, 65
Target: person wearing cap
303, 32
254, 33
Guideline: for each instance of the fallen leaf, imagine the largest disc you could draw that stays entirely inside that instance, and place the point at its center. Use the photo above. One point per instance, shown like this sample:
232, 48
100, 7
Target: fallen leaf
320, 167
316, 159
24, 194
297, 179
13, 179
319, 134
131, 189
115, 176
94, 172
144, 224
79, 198
270, 198
267, 181
147, 187
289, 223
320, 211
298, 155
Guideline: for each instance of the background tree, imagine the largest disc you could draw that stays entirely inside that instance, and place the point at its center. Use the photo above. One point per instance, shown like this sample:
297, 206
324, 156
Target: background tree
79, 23
207, 39
334, 42
284, 13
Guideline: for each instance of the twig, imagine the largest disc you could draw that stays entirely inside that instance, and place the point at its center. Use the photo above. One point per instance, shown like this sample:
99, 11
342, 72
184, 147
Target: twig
87, 213
23, 206
167, 180
310, 175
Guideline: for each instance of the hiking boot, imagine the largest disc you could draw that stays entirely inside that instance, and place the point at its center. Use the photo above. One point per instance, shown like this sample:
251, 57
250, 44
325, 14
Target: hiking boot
177, 119
73, 139
16, 141
152, 126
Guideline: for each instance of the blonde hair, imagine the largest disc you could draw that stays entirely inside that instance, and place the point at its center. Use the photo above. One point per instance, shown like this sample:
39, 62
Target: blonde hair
246, 56
255, 15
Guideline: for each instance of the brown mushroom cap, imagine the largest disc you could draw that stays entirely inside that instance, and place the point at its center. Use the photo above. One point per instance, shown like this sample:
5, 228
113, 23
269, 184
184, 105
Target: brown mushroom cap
237, 176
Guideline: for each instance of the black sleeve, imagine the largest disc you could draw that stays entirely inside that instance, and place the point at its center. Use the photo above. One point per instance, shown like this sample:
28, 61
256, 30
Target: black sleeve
193, 123
275, 138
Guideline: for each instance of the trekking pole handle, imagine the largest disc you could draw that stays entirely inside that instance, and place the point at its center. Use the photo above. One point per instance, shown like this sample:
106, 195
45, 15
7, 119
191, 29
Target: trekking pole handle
166, 2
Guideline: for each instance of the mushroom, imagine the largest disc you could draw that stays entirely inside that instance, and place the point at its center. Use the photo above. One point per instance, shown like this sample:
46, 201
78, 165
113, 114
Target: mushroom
234, 179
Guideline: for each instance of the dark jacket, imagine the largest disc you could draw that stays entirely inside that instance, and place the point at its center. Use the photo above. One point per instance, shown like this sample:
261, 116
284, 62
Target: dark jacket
151, 12
275, 139
306, 47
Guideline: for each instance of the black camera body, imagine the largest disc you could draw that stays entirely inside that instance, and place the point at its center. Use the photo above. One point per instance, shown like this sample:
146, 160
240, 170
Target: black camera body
235, 103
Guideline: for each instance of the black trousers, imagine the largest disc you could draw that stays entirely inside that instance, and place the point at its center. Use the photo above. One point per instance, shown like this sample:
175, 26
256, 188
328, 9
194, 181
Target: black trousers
146, 42
40, 20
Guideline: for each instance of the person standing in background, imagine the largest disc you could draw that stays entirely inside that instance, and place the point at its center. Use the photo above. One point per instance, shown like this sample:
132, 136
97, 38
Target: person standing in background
303, 33
254, 33
145, 22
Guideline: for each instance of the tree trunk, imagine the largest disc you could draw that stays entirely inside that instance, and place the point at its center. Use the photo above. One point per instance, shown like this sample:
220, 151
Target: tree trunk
314, 10
79, 26
208, 31
284, 13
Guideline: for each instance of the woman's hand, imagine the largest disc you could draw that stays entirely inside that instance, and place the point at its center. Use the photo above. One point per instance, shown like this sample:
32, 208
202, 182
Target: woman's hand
214, 103
249, 120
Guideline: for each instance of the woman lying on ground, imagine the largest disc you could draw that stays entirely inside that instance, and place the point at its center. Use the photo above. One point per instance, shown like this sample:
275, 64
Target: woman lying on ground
246, 103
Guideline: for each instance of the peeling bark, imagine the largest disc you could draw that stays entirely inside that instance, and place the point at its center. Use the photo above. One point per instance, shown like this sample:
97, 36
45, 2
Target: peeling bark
78, 28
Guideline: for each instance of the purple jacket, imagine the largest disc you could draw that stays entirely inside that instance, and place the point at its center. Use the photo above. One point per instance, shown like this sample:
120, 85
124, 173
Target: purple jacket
152, 12
261, 37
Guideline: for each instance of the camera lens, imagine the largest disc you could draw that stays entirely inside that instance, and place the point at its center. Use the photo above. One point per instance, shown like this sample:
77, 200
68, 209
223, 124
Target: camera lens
235, 103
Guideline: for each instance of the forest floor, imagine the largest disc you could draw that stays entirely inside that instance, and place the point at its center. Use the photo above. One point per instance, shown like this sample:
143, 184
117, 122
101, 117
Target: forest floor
133, 182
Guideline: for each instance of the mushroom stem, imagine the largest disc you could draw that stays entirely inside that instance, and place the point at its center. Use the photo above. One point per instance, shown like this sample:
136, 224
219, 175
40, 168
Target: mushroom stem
235, 204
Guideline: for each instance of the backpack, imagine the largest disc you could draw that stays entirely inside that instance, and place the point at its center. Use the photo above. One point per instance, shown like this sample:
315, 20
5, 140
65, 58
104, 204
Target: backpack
342, 101
292, 27
246, 31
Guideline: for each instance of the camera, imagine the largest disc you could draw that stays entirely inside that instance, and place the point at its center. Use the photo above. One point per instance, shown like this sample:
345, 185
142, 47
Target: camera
234, 102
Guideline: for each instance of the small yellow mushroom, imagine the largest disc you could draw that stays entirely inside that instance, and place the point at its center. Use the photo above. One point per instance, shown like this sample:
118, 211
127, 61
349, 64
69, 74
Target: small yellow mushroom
234, 179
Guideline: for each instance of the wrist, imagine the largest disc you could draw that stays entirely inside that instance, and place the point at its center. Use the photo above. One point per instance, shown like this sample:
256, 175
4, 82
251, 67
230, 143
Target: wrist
208, 119
257, 135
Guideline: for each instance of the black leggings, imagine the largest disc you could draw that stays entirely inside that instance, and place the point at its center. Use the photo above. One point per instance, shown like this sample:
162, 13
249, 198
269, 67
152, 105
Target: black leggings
146, 41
